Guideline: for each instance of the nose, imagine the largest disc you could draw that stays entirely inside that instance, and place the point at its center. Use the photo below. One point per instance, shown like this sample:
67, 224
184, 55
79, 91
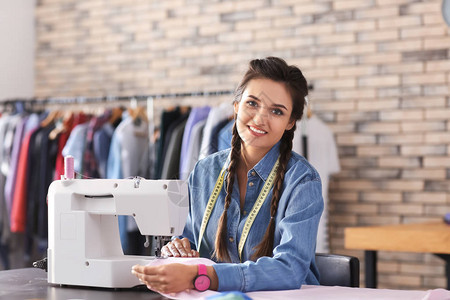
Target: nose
260, 116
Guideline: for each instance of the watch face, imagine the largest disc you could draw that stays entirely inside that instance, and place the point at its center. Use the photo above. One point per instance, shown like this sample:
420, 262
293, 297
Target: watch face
202, 283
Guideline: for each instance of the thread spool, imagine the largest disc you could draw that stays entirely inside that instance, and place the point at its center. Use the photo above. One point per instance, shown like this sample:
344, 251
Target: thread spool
69, 172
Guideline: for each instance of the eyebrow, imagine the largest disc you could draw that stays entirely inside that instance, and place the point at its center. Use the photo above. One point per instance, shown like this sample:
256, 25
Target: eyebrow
273, 105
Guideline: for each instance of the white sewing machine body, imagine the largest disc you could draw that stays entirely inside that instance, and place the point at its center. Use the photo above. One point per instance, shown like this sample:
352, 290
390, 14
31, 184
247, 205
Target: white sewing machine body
84, 245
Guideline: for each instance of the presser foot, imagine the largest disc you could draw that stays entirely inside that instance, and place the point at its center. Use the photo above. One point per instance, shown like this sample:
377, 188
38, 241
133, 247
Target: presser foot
41, 264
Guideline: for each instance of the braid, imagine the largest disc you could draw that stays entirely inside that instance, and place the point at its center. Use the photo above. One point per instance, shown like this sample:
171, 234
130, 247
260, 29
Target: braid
221, 252
265, 247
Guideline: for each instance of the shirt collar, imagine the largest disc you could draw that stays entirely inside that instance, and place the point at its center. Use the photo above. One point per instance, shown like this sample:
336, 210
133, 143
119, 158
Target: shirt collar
265, 165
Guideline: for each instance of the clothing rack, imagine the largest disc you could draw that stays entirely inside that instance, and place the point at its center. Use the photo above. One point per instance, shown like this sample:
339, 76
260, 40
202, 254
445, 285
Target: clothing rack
109, 99
149, 98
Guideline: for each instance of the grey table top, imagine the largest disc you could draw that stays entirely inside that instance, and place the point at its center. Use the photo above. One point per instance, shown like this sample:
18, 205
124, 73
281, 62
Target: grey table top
31, 283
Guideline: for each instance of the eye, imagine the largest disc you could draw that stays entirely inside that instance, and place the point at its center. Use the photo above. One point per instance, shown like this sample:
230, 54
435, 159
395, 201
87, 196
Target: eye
277, 112
252, 103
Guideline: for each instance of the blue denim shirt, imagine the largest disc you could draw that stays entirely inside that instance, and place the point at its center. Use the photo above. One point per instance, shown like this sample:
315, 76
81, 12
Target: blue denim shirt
297, 219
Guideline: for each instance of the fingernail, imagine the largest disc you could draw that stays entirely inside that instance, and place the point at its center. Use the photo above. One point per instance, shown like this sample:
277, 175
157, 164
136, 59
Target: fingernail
190, 255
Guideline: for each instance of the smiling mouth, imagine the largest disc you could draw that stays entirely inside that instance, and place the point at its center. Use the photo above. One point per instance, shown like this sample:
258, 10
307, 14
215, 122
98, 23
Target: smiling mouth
255, 130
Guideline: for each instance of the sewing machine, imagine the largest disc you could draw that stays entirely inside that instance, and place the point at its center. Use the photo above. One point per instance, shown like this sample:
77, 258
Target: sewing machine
84, 245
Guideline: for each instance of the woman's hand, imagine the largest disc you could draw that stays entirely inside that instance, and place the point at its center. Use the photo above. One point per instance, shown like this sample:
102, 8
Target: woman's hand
172, 278
179, 248
166, 279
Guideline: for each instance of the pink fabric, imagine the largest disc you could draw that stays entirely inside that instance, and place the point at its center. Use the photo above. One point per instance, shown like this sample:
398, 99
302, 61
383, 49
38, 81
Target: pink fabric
191, 294
437, 294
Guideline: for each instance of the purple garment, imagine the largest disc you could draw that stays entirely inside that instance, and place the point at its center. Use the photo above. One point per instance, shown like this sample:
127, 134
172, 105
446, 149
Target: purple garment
196, 115
11, 177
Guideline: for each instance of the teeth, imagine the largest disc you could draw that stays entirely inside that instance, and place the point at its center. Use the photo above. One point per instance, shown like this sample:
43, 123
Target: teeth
256, 130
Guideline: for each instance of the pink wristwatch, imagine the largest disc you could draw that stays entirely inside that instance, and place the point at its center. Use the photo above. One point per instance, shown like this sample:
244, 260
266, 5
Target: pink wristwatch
202, 281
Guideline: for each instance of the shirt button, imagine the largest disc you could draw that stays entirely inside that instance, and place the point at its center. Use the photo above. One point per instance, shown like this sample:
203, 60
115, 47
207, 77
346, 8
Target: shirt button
253, 173
245, 212
250, 184
231, 239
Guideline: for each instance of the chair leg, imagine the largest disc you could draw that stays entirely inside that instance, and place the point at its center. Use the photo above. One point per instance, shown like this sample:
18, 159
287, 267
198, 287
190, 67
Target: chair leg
370, 261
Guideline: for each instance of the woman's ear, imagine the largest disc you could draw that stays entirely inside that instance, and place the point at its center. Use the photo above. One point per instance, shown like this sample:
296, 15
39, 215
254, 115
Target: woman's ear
290, 125
236, 107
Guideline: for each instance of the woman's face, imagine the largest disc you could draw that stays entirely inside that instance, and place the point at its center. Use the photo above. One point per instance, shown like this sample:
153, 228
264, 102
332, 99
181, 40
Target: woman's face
263, 114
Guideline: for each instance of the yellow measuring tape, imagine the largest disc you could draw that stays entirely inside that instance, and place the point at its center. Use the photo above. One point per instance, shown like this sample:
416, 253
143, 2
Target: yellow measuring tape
253, 213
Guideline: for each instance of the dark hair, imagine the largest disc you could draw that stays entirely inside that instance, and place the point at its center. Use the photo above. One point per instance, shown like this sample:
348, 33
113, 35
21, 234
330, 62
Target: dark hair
278, 70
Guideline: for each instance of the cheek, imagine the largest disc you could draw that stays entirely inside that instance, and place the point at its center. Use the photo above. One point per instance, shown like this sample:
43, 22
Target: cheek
243, 116
241, 125
280, 126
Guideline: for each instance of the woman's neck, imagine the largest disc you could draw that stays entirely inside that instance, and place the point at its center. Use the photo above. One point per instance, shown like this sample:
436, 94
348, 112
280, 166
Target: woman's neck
250, 156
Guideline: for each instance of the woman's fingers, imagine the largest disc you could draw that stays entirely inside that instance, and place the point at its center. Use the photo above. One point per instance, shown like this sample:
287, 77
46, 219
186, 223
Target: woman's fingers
186, 244
165, 251
174, 248
170, 278
179, 247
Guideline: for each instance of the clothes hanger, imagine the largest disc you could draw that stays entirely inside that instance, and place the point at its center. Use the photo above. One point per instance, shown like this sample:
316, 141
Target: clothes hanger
138, 114
52, 116
62, 126
116, 114
308, 105
309, 112
185, 109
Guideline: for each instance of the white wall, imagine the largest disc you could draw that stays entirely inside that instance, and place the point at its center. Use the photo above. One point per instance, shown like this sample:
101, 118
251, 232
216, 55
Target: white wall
17, 43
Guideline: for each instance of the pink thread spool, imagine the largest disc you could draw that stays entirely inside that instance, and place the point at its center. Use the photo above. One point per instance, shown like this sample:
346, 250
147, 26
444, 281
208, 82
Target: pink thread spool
69, 172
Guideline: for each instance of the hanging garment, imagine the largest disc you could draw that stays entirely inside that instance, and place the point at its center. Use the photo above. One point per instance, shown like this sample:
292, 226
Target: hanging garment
102, 143
323, 155
128, 157
11, 176
214, 144
63, 135
171, 164
41, 171
75, 146
225, 136
197, 115
168, 136
7, 129
193, 151
133, 138
4, 226
90, 166
18, 209
8, 141
167, 117
216, 115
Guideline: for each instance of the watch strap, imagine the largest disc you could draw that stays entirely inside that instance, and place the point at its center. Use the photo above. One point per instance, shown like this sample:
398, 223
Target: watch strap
202, 269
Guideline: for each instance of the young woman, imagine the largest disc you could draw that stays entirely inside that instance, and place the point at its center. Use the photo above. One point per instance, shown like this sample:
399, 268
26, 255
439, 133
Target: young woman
254, 208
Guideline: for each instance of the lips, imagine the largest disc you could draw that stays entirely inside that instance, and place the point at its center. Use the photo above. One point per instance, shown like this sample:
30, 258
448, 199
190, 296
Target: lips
256, 131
